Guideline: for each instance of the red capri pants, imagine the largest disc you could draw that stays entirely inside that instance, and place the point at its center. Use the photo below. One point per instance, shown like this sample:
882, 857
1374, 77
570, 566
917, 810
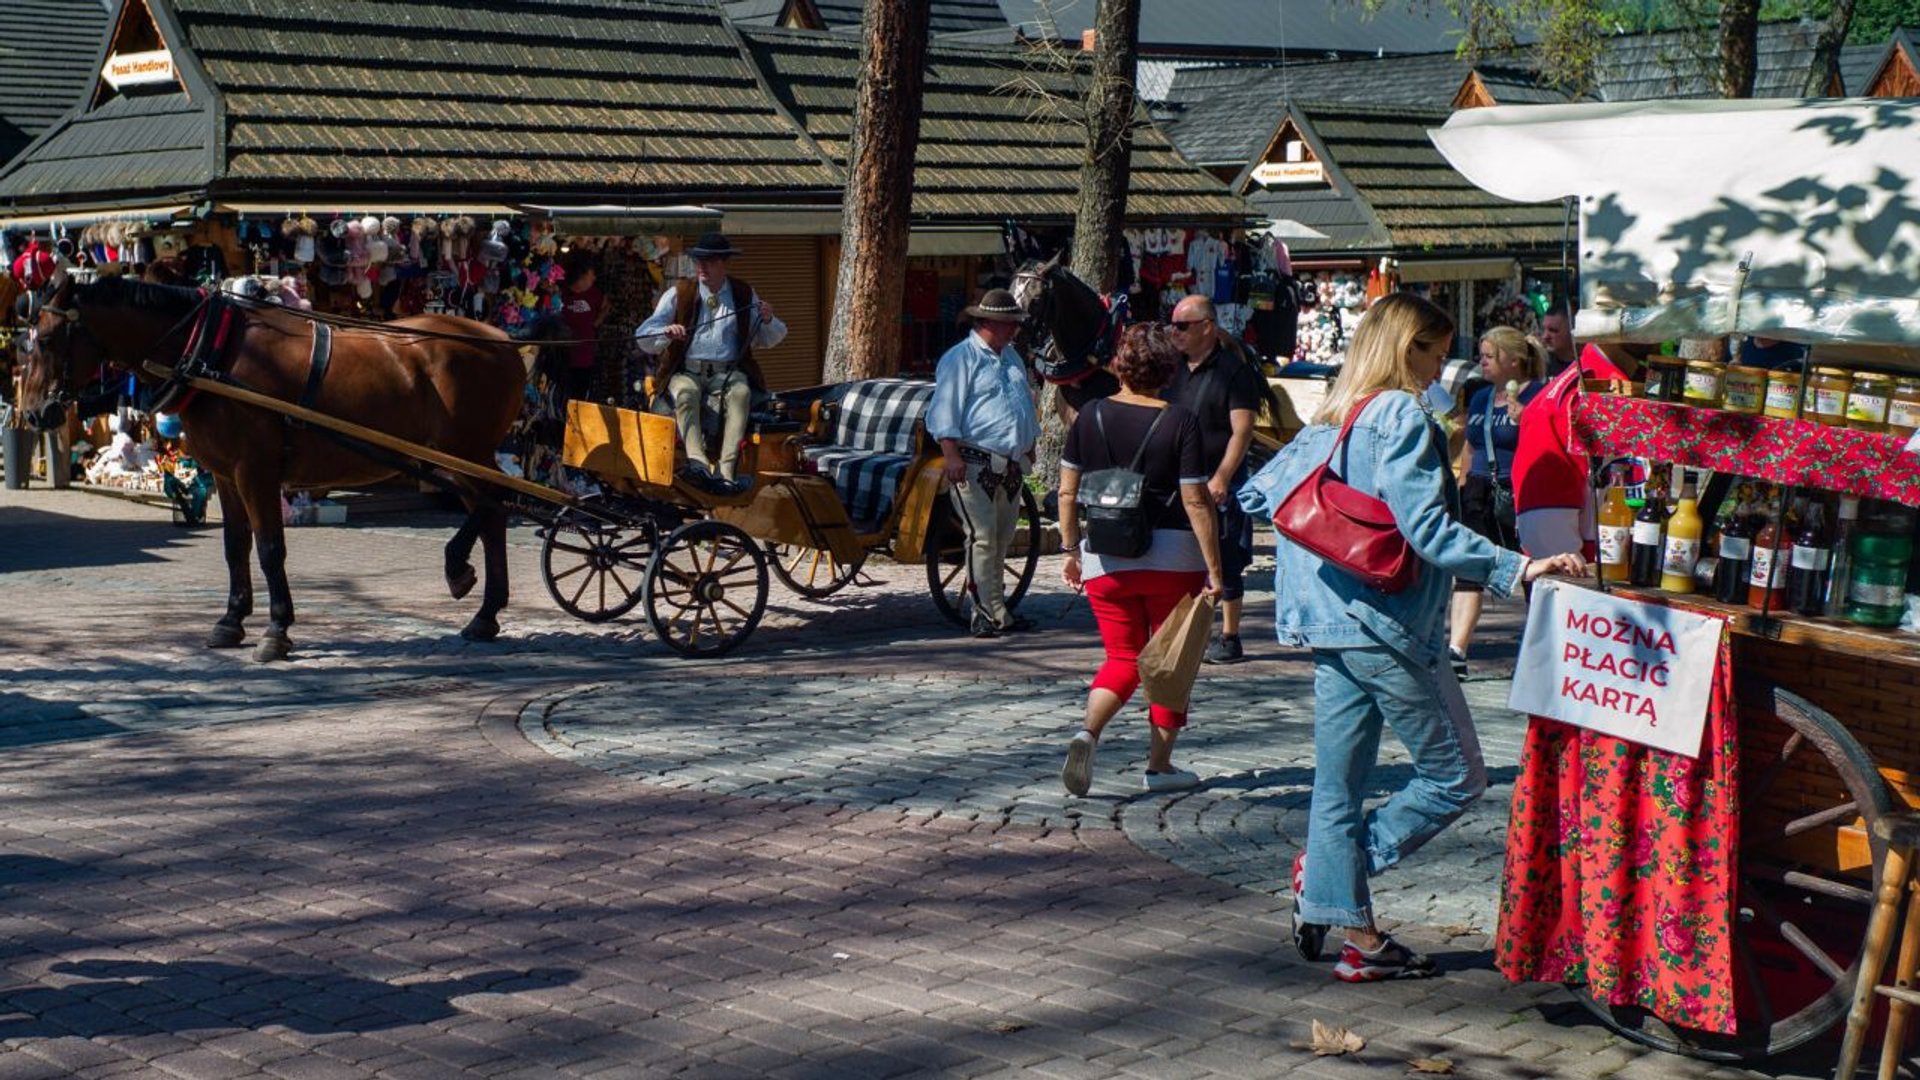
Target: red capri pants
1130, 606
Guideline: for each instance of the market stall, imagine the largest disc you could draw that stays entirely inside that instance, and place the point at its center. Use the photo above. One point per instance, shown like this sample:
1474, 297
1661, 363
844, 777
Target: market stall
1711, 897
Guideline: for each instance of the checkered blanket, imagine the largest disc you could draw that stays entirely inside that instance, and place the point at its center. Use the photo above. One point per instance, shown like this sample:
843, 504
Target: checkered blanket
873, 443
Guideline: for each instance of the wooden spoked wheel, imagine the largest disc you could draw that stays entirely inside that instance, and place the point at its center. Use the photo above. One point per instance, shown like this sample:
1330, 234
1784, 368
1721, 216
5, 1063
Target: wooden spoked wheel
947, 559
812, 572
1808, 791
706, 588
593, 569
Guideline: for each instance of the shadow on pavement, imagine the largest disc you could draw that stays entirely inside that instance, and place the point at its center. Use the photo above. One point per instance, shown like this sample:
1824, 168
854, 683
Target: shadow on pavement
85, 542
211, 995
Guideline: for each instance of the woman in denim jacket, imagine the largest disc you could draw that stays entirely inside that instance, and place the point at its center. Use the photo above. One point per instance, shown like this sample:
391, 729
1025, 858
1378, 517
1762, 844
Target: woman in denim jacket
1381, 659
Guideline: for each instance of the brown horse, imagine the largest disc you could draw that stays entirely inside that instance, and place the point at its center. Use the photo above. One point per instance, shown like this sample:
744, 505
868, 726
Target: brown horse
457, 394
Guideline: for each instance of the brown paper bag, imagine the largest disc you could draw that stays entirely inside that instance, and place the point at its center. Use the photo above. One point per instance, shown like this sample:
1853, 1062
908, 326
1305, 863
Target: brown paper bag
1171, 659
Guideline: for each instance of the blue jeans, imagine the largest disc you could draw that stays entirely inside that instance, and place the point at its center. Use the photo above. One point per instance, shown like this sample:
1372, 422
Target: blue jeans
1356, 693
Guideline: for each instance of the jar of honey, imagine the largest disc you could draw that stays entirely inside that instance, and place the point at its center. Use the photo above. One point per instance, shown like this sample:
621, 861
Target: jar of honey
1746, 389
1867, 402
1703, 383
1666, 378
1903, 411
1827, 390
1783, 395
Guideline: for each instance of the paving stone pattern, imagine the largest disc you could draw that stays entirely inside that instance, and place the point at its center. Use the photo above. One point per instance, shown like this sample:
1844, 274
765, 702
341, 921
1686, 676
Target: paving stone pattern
990, 750
572, 854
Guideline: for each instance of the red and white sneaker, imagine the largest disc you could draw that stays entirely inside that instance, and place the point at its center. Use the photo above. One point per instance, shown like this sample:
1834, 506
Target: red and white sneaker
1309, 938
1391, 960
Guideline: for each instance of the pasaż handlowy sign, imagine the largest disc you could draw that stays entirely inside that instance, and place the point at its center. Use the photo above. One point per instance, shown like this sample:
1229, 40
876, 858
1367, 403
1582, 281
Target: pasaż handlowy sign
1636, 671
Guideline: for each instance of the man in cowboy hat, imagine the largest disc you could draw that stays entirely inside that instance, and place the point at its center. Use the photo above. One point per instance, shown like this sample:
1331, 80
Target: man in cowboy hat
708, 327
983, 415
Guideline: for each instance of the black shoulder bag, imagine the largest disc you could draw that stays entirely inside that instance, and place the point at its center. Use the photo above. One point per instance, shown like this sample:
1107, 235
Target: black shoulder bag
1500, 495
1113, 502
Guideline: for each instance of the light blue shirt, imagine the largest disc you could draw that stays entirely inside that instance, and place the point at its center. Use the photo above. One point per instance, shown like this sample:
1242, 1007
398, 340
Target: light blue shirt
981, 399
714, 337
1398, 454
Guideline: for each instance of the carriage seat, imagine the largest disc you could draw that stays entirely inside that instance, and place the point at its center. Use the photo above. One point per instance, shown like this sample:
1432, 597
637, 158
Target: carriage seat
873, 438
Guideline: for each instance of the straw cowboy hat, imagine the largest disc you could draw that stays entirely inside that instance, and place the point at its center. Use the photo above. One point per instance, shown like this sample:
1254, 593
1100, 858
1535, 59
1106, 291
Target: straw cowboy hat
998, 306
713, 246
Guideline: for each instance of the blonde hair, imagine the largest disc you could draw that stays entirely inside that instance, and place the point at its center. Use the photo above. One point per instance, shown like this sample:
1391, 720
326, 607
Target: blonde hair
1513, 344
1377, 355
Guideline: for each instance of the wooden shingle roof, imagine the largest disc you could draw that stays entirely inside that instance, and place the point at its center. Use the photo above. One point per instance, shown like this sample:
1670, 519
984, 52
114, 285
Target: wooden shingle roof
1221, 116
48, 53
1390, 190
985, 154
528, 98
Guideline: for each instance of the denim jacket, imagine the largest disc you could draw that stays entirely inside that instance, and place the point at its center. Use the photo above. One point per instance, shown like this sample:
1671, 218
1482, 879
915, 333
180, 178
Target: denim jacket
1397, 453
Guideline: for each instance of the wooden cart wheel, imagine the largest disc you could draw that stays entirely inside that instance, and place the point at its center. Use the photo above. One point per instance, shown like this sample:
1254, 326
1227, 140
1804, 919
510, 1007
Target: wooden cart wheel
1799, 925
593, 569
812, 572
947, 558
706, 588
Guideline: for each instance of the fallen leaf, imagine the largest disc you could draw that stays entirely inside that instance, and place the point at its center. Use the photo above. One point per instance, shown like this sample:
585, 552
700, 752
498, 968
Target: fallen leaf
1432, 1065
1330, 1041
1460, 930
1006, 1027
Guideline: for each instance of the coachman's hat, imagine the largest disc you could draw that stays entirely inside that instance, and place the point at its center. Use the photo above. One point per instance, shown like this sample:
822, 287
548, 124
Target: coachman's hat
998, 306
713, 246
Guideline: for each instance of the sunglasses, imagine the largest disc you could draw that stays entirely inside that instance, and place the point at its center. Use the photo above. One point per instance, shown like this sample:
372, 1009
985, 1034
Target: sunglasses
1188, 324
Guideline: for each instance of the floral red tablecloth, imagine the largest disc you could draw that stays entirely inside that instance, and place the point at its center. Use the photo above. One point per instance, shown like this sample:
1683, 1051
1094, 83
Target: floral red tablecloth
1621, 868
1784, 451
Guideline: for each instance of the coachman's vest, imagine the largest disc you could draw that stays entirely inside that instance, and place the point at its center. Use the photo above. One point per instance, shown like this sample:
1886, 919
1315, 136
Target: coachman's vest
686, 304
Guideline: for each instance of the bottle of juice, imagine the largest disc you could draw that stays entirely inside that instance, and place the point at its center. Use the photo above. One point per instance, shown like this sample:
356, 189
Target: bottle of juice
1648, 549
1809, 569
1811, 564
1764, 583
1736, 557
1682, 549
1616, 529
1844, 530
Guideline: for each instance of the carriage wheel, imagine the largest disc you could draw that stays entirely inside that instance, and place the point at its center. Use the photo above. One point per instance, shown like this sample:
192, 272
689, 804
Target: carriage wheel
1798, 927
947, 558
812, 572
706, 588
595, 570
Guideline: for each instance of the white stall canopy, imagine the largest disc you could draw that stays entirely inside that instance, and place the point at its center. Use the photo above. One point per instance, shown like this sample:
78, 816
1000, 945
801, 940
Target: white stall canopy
1790, 219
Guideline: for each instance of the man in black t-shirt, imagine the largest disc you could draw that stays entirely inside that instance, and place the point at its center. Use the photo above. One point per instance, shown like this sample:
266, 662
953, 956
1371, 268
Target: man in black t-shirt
1225, 393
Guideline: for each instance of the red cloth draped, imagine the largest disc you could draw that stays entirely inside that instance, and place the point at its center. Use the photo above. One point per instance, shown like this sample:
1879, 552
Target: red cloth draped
1621, 867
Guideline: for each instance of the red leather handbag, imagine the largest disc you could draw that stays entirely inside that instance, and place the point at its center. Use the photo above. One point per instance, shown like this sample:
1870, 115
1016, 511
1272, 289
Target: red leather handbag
1346, 526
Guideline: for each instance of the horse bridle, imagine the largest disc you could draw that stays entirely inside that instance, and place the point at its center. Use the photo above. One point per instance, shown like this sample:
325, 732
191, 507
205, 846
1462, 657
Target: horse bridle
1037, 310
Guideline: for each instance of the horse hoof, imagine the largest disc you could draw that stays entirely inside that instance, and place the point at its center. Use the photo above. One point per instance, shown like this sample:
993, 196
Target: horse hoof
272, 648
463, 584
481, 630
226, 636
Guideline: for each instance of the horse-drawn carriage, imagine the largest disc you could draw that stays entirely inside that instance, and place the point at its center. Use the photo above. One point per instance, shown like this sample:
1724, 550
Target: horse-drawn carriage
836, 473
275, 398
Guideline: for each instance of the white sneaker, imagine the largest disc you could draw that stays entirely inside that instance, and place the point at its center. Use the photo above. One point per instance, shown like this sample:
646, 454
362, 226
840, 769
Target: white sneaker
1176, 780
1077, 774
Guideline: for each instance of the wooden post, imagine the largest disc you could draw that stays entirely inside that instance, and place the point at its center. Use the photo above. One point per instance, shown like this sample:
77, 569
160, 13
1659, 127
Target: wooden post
863, 338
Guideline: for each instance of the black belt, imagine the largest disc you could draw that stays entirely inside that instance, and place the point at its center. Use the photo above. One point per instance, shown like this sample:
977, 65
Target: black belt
981, 457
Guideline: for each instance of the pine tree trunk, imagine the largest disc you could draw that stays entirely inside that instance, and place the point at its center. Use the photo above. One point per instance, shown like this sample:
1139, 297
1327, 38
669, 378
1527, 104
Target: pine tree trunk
1107, 164
1105, 172
1826, 51
1739, 27
863, 340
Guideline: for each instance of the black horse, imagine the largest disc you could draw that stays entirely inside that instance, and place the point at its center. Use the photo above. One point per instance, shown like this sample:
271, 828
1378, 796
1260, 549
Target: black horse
1069, 332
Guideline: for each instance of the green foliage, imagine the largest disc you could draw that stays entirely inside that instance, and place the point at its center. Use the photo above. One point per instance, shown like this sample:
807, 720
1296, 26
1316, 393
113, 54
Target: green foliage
1566, 36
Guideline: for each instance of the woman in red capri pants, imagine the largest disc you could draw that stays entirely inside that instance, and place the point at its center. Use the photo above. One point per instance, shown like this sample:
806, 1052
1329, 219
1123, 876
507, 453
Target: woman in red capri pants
1131, 596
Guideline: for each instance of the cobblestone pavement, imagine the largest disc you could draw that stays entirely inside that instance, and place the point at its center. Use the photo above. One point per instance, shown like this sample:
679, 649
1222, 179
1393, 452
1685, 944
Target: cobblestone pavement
842, 852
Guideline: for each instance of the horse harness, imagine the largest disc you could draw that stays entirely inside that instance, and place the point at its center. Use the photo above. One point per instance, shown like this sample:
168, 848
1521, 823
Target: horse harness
1056, 366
